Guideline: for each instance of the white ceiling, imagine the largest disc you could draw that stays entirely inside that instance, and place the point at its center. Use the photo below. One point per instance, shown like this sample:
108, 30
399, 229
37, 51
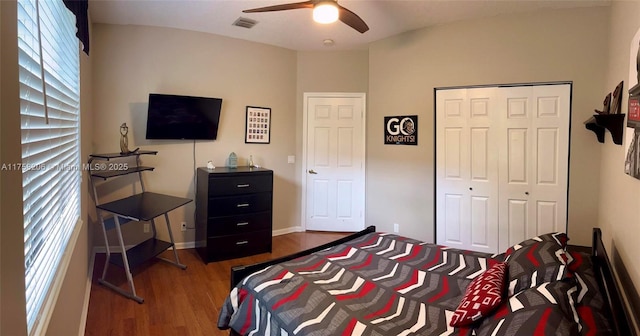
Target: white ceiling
295, 29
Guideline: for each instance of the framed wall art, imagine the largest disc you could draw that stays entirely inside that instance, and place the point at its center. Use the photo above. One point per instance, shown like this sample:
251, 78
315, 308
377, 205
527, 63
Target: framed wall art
401, 130
258, 125
632, 134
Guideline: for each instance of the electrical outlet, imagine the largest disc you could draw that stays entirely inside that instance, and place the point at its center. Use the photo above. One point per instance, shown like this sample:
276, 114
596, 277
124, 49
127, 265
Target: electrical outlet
147, 227
183, 226
396, 227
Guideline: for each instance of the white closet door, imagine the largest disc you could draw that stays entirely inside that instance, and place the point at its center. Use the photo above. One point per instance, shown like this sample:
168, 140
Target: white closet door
467, 169
502, 158
534, 147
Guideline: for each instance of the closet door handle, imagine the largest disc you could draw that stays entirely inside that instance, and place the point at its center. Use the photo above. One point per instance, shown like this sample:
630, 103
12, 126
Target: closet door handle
243, 205
242, 224
470, 188
526, 193
311, 171
242, 242
243, 185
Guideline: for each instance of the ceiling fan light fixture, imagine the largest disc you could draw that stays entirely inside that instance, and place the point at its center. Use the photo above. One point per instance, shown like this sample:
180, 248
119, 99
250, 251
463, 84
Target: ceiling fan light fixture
325, 12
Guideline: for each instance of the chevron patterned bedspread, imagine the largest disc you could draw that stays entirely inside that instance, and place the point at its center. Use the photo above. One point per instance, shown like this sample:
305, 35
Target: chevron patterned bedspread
378, 284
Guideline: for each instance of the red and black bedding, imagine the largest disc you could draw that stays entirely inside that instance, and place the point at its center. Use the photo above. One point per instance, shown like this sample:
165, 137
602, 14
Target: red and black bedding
384, 284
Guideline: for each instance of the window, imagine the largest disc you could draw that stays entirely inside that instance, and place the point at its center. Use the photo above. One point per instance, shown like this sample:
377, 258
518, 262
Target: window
49, 68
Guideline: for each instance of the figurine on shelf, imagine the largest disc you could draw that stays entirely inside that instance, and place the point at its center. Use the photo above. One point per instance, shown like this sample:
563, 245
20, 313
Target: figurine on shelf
124, 140
606, 103
617, 99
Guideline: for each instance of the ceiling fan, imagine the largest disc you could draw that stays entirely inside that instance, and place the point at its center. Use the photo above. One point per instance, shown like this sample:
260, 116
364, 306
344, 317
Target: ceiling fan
330, 8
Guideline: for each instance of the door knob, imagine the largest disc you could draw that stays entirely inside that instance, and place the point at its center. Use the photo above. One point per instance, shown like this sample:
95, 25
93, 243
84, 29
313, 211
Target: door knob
526, 193
470, 188
311, 171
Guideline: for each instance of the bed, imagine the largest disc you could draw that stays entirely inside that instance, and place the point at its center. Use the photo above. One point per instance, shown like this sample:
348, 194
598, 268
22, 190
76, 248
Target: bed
382, 284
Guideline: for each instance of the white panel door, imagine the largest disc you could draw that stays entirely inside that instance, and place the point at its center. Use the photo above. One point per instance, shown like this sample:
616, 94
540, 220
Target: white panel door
467, 168
502, 158
534, 170
334, 166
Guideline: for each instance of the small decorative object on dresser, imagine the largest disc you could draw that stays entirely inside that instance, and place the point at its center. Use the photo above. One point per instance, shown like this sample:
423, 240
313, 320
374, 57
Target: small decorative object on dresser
233, 160
233, 212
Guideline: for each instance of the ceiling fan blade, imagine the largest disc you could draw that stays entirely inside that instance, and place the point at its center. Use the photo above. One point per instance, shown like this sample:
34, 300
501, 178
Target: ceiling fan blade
297, 5
352, 20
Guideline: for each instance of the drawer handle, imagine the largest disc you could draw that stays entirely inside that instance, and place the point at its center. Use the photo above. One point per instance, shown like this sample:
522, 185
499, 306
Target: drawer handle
242, 224
243, 205
243, 185
242, 242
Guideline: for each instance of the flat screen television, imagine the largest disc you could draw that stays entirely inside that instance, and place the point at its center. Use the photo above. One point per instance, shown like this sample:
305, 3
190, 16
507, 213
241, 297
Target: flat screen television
183, 117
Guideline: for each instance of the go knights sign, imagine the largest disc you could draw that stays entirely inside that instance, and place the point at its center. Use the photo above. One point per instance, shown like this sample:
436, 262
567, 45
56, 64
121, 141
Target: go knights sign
401, 130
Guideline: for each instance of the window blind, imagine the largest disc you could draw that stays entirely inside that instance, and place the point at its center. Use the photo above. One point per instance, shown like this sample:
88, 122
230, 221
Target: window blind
49, 69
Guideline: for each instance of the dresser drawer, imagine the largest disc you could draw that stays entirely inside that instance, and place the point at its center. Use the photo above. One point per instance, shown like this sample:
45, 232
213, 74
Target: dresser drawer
235, 246
240, 184
228, 225
238, 205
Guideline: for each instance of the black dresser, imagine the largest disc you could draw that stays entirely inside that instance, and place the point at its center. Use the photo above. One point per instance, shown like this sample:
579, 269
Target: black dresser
233, 212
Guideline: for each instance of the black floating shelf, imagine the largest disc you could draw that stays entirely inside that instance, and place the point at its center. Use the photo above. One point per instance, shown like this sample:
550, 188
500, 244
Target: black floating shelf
612, 122
108, 156
105, 174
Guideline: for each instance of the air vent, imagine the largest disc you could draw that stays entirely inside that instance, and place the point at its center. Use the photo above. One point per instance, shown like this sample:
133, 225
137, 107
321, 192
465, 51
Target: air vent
245, 22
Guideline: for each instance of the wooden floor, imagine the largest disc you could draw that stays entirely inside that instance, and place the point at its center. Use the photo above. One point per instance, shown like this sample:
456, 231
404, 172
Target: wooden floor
177, 302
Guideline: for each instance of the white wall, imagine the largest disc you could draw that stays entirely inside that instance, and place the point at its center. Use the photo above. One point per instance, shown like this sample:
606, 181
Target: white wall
619, 207
562, 45
132, 61
402, 71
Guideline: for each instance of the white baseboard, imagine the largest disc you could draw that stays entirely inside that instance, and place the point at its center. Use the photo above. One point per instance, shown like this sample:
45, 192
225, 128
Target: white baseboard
186, 245
292, 229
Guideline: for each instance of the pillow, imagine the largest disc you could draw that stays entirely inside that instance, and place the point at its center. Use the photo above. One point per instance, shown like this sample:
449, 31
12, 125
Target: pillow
483, 295
544, 310
559, 238
534, 264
